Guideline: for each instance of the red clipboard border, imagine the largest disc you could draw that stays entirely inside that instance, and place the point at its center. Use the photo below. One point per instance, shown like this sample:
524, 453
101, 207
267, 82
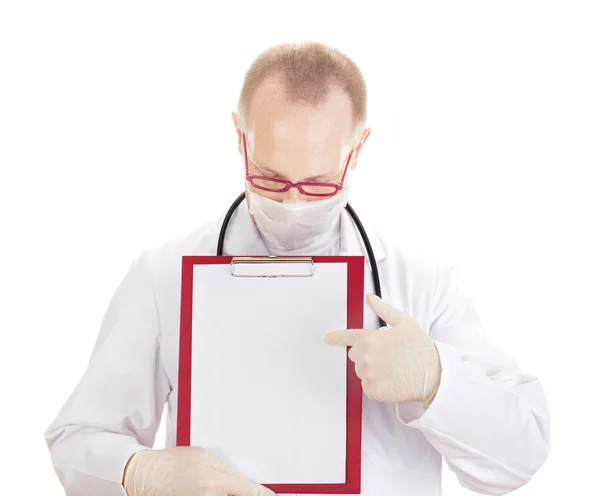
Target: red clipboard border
354, 317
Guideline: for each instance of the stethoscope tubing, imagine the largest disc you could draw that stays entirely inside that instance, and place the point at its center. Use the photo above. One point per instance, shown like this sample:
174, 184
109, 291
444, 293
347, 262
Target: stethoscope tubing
355, 219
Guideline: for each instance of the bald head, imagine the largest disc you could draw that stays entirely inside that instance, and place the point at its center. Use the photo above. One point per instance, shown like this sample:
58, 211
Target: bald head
302, 112
280, 131
306, 73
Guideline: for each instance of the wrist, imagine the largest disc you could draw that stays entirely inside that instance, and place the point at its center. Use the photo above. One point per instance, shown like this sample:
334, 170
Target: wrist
129, 471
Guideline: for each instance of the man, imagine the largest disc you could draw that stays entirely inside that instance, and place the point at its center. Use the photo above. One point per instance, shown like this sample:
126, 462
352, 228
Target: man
433, 386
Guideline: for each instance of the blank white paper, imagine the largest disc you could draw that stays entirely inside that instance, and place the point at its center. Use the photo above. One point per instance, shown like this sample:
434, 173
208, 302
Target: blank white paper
268, 395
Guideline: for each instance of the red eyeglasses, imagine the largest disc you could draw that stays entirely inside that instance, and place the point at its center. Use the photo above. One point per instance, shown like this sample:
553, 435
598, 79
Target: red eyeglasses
307, 188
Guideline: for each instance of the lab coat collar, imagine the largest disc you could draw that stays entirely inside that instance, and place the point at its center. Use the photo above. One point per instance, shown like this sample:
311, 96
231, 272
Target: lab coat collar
243, 238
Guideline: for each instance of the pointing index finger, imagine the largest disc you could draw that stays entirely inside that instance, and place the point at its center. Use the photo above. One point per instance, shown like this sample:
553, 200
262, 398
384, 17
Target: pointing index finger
392, 316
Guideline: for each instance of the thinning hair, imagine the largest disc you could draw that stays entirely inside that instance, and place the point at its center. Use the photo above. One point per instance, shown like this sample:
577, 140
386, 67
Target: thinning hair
308, 72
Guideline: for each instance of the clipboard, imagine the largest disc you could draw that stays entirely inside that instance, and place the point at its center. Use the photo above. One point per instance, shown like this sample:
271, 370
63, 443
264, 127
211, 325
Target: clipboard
201, 371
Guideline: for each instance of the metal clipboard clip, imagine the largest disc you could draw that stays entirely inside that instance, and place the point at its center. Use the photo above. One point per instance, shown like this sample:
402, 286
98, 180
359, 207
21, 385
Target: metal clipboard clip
272, 266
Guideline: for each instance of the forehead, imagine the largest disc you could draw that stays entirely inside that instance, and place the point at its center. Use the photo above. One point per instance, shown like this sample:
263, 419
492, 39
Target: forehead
297, 139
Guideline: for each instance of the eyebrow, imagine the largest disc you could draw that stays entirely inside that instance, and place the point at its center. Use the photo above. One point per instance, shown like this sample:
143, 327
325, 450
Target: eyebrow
268, 170
319, 178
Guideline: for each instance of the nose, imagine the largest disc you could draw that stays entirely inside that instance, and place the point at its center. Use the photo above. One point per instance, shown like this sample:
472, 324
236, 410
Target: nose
292, 194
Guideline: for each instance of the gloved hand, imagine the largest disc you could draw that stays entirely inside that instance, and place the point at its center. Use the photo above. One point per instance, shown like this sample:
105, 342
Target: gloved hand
397, 364
184, 471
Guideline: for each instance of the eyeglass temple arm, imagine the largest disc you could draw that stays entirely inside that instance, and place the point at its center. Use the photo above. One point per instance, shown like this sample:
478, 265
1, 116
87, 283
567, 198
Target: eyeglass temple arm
346, 168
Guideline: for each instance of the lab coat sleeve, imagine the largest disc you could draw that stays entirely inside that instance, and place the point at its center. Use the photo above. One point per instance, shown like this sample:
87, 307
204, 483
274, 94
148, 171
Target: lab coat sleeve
115, 409
489, 420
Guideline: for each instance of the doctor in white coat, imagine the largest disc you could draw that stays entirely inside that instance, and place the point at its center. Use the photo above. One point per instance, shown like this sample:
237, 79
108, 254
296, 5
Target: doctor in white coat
434, 387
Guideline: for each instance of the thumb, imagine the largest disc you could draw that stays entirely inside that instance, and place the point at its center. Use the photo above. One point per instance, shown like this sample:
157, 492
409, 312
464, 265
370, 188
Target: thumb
348, 337
234, 485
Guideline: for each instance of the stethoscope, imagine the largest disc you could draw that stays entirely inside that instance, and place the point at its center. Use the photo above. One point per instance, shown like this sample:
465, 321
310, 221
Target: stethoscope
355, 219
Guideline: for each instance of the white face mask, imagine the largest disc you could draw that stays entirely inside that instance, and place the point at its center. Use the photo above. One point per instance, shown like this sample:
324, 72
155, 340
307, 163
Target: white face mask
288, 226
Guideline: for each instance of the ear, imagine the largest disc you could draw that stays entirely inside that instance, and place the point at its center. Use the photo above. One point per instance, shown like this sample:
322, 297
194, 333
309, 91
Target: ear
363, 140
234, 116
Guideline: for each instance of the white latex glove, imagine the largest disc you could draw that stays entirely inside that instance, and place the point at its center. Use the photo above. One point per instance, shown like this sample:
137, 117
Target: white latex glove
185, 471
397, 364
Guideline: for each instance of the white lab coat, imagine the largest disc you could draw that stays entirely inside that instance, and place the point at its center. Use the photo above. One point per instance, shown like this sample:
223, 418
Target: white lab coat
489, 421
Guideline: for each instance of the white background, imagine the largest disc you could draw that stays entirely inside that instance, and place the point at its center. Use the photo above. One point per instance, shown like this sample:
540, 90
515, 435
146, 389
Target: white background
484, 152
